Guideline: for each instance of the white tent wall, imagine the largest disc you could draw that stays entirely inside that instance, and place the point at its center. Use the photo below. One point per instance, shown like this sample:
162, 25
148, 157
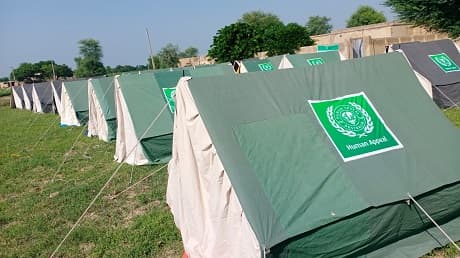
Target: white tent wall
127, 148
426, 84
36, 103
285, 64
57, 98
97, 125
27, 101
243, 68
204, 204
17, 100
68, 114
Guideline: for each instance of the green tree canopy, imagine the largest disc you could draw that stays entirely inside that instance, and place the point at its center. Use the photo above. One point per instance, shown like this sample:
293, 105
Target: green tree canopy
90, 48
442, 15
317, 25
261, 22
365, 15
4, 79
286, 39
260, 19
124, 68
234, 42
189, 52
89, 62
168, 56
41, 70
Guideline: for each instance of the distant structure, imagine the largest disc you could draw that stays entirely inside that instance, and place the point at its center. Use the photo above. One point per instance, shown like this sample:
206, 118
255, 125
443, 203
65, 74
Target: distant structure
195, 61
373, 39
354, 42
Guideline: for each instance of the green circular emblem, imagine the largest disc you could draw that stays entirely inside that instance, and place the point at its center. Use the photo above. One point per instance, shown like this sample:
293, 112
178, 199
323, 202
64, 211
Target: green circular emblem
350, 119
443, 61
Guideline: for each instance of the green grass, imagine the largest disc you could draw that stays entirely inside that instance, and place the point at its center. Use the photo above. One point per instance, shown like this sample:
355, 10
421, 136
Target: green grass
36, 212
5, 92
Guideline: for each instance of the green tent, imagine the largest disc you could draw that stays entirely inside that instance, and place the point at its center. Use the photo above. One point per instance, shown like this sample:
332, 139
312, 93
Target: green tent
145, 107
306, 60
254, 65
102, 118
313, 162
142, 117
74, 103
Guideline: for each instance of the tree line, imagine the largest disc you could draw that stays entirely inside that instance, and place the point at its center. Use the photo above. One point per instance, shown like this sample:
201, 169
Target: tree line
254, 32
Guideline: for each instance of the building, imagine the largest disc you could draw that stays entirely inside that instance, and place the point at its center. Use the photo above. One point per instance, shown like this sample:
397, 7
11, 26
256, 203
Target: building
355, 42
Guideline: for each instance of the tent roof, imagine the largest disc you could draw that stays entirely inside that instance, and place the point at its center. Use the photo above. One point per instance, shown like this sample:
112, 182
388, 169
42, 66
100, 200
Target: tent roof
18, 91
44, 92
418, 55
78, 94
276, 60
57, 87
211, 70
105, 92
144, 98
300, 60
252, 65
28, 88
273, 149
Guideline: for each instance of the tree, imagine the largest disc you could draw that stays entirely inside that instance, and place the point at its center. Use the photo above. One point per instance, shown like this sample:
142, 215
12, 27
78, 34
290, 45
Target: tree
442, 16
365, 15
4, 79
261, 22
189, 52
234, 42
168, 56
89, 62
317, 25
286, 39
260, 19
41, 70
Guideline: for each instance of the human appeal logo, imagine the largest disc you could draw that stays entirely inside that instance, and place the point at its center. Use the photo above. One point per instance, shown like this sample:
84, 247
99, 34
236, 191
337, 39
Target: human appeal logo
350, 120
444, 62
354, 126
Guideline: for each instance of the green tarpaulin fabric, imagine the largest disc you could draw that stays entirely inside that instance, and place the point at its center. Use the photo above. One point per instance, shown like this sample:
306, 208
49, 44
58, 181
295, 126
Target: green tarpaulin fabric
257, 65
78, 94
292, 184
144, 99
105, 90
301, 60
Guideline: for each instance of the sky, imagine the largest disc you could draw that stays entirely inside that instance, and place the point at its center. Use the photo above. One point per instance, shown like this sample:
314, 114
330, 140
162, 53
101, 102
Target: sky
32, 31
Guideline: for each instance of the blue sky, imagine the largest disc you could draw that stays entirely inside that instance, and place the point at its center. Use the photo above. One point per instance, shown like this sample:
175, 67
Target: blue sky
35, 30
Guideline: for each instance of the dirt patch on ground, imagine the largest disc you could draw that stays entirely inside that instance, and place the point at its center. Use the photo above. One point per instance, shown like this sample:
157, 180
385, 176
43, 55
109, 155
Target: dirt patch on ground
5, 101
86, 247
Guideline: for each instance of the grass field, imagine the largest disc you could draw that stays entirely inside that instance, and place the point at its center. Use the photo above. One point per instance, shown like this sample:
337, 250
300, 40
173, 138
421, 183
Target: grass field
36, 211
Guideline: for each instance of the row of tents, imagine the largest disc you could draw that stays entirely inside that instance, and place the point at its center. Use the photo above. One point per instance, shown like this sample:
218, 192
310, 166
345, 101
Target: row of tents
329, 159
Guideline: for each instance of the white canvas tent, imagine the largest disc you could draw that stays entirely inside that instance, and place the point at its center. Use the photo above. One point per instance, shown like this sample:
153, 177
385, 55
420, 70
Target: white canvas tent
42, 95
102, 113
74, 103
27, 93
57, 87
18, 97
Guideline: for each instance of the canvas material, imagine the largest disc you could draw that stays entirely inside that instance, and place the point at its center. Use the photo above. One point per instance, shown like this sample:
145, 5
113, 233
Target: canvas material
18, 97
301, 60
56, 95
68, 114
37, 107
249, 116
127, 148
97, 126
202, 199
27, 93
446, 85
